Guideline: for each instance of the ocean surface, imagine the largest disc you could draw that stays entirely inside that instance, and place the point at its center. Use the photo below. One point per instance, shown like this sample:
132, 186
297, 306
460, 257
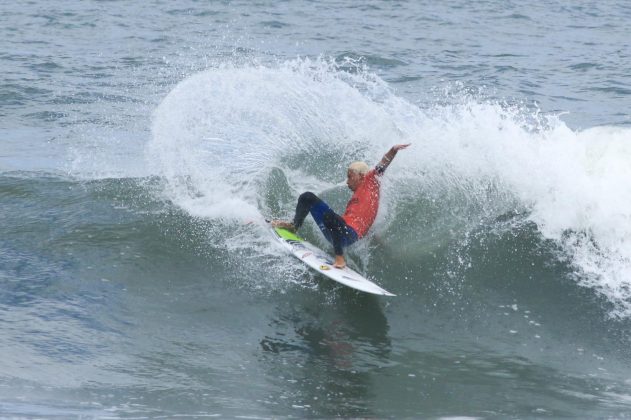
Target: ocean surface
142, 145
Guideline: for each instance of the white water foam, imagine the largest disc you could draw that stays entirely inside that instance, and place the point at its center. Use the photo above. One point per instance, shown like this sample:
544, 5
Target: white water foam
219, 132
576, 184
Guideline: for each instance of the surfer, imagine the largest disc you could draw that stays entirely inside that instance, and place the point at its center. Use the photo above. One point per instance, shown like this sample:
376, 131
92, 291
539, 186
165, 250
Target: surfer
361, 209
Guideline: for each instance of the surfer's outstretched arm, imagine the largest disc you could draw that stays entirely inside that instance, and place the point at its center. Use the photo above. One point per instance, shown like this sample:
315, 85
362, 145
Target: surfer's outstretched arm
387, 158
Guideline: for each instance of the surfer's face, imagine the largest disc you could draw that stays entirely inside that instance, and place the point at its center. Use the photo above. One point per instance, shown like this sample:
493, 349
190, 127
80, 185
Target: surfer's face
353, 179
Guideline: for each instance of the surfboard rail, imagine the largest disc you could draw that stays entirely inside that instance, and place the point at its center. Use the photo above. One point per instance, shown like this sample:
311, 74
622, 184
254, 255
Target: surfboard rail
322, 262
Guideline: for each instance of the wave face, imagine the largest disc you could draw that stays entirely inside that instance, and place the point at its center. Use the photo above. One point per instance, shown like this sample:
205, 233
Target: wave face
142, 146
240, 143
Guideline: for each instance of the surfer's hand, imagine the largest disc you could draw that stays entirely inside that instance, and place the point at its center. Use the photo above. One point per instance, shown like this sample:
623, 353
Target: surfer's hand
387, 158
398, 147
339, 261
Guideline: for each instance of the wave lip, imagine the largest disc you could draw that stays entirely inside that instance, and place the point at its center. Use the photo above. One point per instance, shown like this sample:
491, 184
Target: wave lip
220, 135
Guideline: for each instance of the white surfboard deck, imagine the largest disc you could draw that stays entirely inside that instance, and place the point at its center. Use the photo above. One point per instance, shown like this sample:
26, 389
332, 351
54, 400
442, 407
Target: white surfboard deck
323, 263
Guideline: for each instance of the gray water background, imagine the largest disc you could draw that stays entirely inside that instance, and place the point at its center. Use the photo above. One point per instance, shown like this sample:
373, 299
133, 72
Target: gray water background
114, 306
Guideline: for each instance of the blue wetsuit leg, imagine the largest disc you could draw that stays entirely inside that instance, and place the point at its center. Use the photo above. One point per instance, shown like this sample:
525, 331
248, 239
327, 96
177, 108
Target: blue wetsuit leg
332, 225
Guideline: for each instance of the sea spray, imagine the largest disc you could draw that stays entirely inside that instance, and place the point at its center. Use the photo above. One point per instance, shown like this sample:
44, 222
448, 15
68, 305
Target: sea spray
221, 134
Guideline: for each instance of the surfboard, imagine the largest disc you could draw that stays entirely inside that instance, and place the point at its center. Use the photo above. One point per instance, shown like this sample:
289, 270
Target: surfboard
322, 262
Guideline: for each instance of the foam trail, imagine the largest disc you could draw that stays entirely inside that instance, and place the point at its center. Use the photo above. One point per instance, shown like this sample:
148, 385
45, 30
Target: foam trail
218, 131
233, 142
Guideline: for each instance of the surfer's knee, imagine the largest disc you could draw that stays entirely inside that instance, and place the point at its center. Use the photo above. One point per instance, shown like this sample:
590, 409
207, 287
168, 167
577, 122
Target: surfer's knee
308, 198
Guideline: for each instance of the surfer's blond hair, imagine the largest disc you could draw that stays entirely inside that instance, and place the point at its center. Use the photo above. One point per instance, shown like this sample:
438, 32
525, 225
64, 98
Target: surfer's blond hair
359, 167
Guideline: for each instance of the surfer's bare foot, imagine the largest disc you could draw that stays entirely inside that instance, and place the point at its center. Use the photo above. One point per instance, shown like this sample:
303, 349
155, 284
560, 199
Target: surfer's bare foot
283, 225
339, 261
